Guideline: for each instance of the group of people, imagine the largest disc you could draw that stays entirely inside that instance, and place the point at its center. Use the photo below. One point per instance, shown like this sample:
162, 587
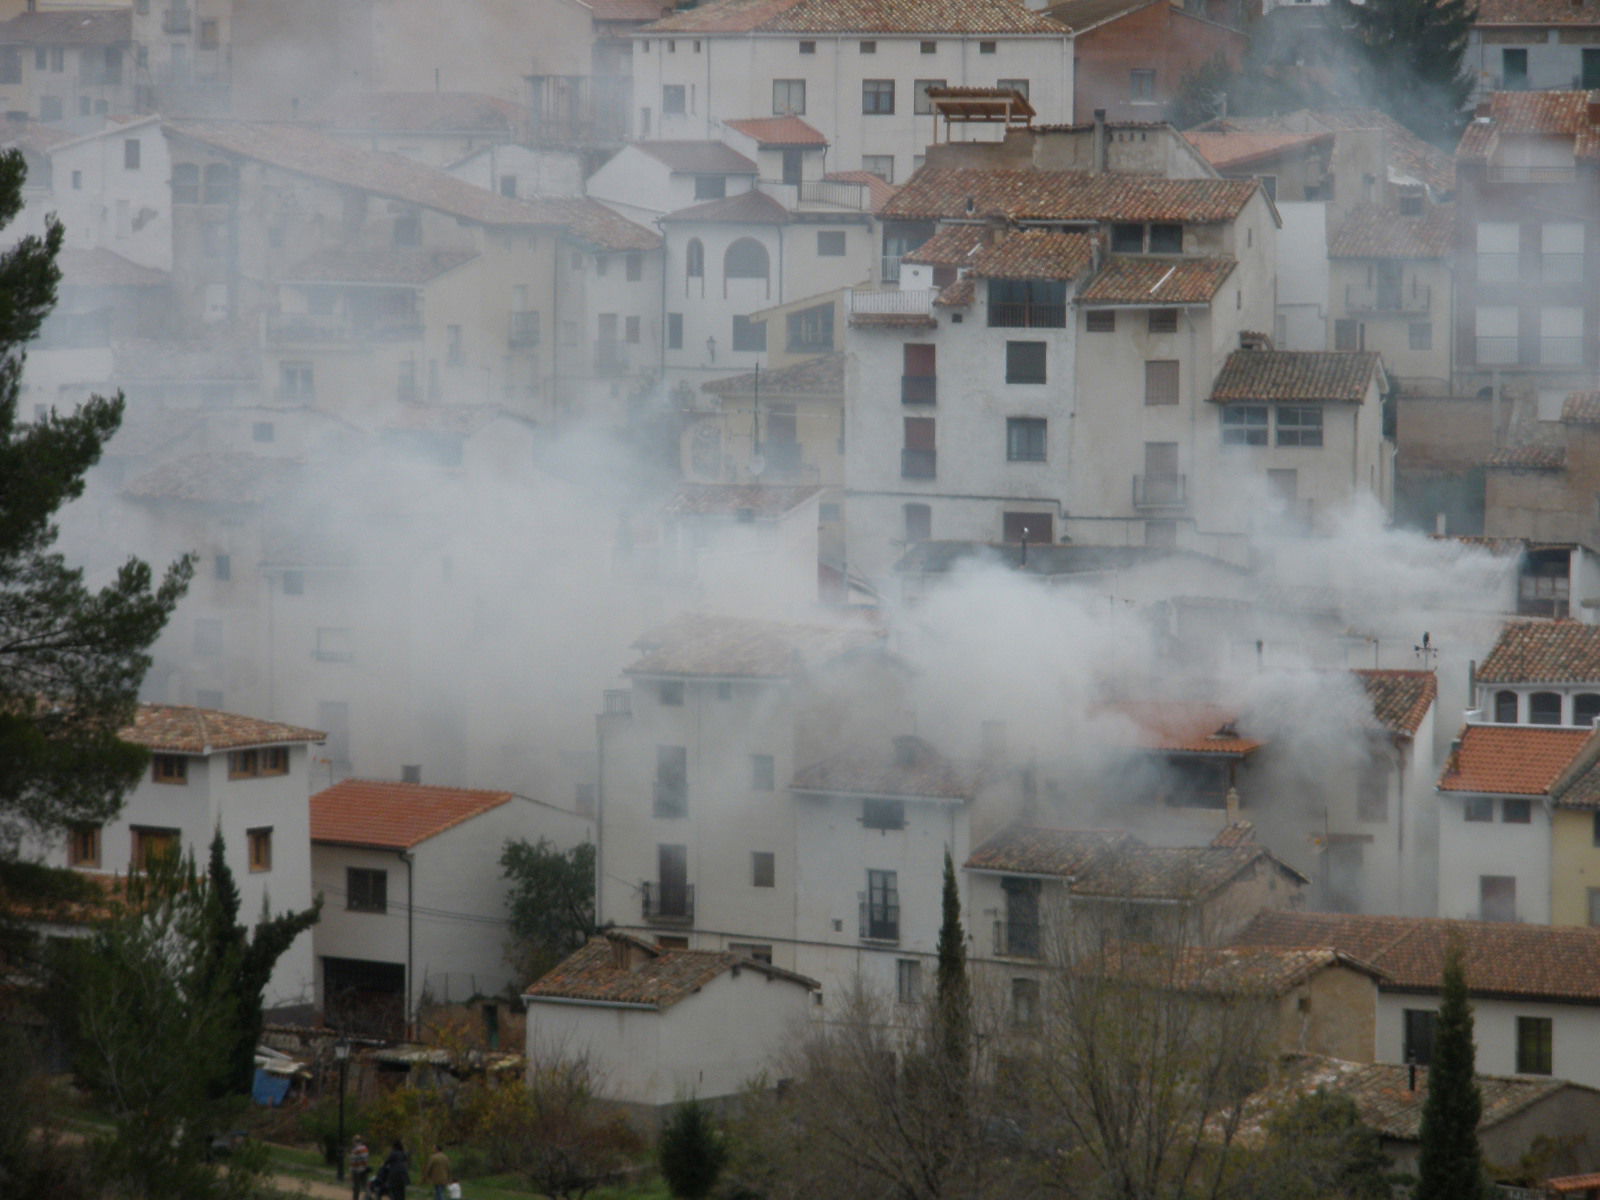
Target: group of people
394, 1173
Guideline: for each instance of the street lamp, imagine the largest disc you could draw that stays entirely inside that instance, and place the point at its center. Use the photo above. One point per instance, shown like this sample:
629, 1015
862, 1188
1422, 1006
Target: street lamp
341, 1054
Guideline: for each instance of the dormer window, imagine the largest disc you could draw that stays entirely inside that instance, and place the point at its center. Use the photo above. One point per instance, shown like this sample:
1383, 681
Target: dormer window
1134, 237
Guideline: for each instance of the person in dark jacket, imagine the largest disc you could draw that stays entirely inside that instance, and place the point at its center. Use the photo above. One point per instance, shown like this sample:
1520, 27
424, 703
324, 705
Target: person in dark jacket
396, 1172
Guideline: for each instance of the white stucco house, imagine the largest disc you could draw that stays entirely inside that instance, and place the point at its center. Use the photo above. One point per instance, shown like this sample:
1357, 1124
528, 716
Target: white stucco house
215, 771
663, 1025
414, 906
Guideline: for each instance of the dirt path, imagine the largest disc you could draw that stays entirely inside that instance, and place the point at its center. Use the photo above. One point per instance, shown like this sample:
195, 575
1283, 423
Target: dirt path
300, 1185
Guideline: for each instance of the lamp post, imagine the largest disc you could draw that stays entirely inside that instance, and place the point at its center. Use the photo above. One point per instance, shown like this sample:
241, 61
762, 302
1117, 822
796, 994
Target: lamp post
341, 1054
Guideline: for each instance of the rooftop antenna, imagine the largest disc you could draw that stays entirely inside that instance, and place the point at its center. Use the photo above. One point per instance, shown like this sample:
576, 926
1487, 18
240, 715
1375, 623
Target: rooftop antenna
1427, 653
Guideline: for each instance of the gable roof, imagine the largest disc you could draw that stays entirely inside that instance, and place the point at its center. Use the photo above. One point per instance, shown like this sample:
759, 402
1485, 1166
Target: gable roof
619, 968
1400, 699
1032, 850
1184, 727
1231, 149
1144, 281
780, 131
1544, 114
698, 157
1371, 231
181, 729
1304, 376
1503, 960
1034, 254
745, 208
1230, 970
857, 16
1543, 652
928, 774
1021, 195
393, 816
742, 647
1511, 760
1408, 154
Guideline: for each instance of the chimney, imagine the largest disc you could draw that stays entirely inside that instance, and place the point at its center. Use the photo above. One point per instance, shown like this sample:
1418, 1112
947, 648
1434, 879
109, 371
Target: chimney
1472, 681
1099, 151
1230, 804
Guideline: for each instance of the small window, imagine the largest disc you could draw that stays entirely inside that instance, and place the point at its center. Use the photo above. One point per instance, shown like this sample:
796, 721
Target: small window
260, 845
1100, 320
1161, 382
869, 47
1025, 1003
907, 981
788, 97
1420, 1024
1025, 439
1244, 425
694, 258
1478, 808
1535, 1045
1163, 320
1505, 708
1127, 238
1300, 425
761, 773
275, 760
1025, 362
830, 244
672, 692
1346, 335
883, 814
1585, 709
918, 522
83, 846
1516, 812
763, 869
1019, 86
185, 183
334, 644
674, 331
366, 890
877, 97
674, 99
244, 764
130, 154
929, 47
808, 47
986, 47
631, 330
1141, 84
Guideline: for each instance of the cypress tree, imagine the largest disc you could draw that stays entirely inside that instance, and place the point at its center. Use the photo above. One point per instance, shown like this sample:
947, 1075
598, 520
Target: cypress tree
954, 995
1409, 53
1450, 1166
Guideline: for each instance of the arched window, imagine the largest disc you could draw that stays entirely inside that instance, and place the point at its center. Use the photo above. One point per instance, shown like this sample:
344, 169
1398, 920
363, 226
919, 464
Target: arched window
697, 259
1505, 708
1585, 708
1544, 708
746, 259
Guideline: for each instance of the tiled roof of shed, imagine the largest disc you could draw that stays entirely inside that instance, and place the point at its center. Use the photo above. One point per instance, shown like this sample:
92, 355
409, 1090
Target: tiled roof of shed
935, 192
959, 293
715, 645
746, 208
1538, 12
1308, 376
950, 246
1581, 408
1035, 254
1543, 652
1141, 280
393, 816
822, 376
699, 158
215, 479
1400, 699
1227, 149
857, 16
1513, 760
881, 773
1373, 232
728, 499
399, 265
780, 131
1560, 963
1031, 850
1529, 456
180, 729
619, 968
69, 27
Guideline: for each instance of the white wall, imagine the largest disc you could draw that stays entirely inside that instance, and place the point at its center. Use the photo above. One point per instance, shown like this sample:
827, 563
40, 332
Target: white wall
1302, 322
1575, 1054
124, 209
1469, 849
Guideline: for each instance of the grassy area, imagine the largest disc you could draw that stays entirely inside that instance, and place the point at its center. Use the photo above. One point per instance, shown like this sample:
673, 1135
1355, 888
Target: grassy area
294, 1163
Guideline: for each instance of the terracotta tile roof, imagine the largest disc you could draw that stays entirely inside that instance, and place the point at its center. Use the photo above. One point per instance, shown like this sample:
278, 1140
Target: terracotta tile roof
1409, 155
727, 499
959, 294
1514, 760
950, 246
424, 112
699, 158
1030, 850
935, 192
746, 208
1229, 970
1581, 408
1553, 962
879, 190
1180, 727
215, 479
1140, 872
780, 131
1035, 254
1581, 787
1080, 16
1530, 456
1400, 699
393, 816
881, 773
307, 151
1538, 12
105, 268
709, 644
1565, 1185
629, 10
822, 376
1235, 833
1373, 232
1142, 280
398, 265
1306, 376
886, 320
1561, 114
74, 27
1543, 652
618, 968
1227, 149
856, 16
178, 729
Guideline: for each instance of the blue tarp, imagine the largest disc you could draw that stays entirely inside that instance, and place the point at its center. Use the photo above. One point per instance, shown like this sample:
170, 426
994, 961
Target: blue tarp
269, 1089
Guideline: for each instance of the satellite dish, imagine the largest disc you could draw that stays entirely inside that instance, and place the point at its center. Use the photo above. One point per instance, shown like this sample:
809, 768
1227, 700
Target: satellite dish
758, 464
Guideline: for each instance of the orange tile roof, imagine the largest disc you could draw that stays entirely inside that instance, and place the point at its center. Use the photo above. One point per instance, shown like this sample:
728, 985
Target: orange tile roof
1560, 962
715, 645
1538, 12
935, 192
630, 10
1545, 114
950, 246
1565, 1185
1374, 232
393, 816
1080, 16
1229, 970
1543, 652
1580, 789
1581, 408
959, 294
1185, 727
179, 729
1030, 850
857, 16
780, 131
1400, 699
822, 376
1142, 280
881, 773
1529, 456
1304, 376
1407, 153
618, 968
1228, 148
728, 499
1035, 254
1513, 760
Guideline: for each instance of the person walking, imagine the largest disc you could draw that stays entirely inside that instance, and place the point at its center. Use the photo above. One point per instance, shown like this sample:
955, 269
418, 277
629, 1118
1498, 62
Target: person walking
396, 1171
360, 1166
437, 1172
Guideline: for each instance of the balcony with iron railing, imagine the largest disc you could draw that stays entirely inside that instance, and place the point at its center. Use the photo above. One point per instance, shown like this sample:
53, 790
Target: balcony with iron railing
891, 301
880, 922
1495, 351
669, 903
818, 194
618, 702
918, 464
1379, 301
1160, 491
1023, 315
919, 389
1016, 939
1561, 351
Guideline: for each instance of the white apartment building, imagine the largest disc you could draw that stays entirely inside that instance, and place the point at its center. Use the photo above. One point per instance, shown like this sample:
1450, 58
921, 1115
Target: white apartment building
861, 80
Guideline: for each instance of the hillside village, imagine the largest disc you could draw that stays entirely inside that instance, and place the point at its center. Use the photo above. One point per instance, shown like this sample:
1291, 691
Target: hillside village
784, 445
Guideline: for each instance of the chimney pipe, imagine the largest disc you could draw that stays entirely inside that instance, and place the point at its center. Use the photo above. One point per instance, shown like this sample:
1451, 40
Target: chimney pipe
1472, 682
1099, 164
